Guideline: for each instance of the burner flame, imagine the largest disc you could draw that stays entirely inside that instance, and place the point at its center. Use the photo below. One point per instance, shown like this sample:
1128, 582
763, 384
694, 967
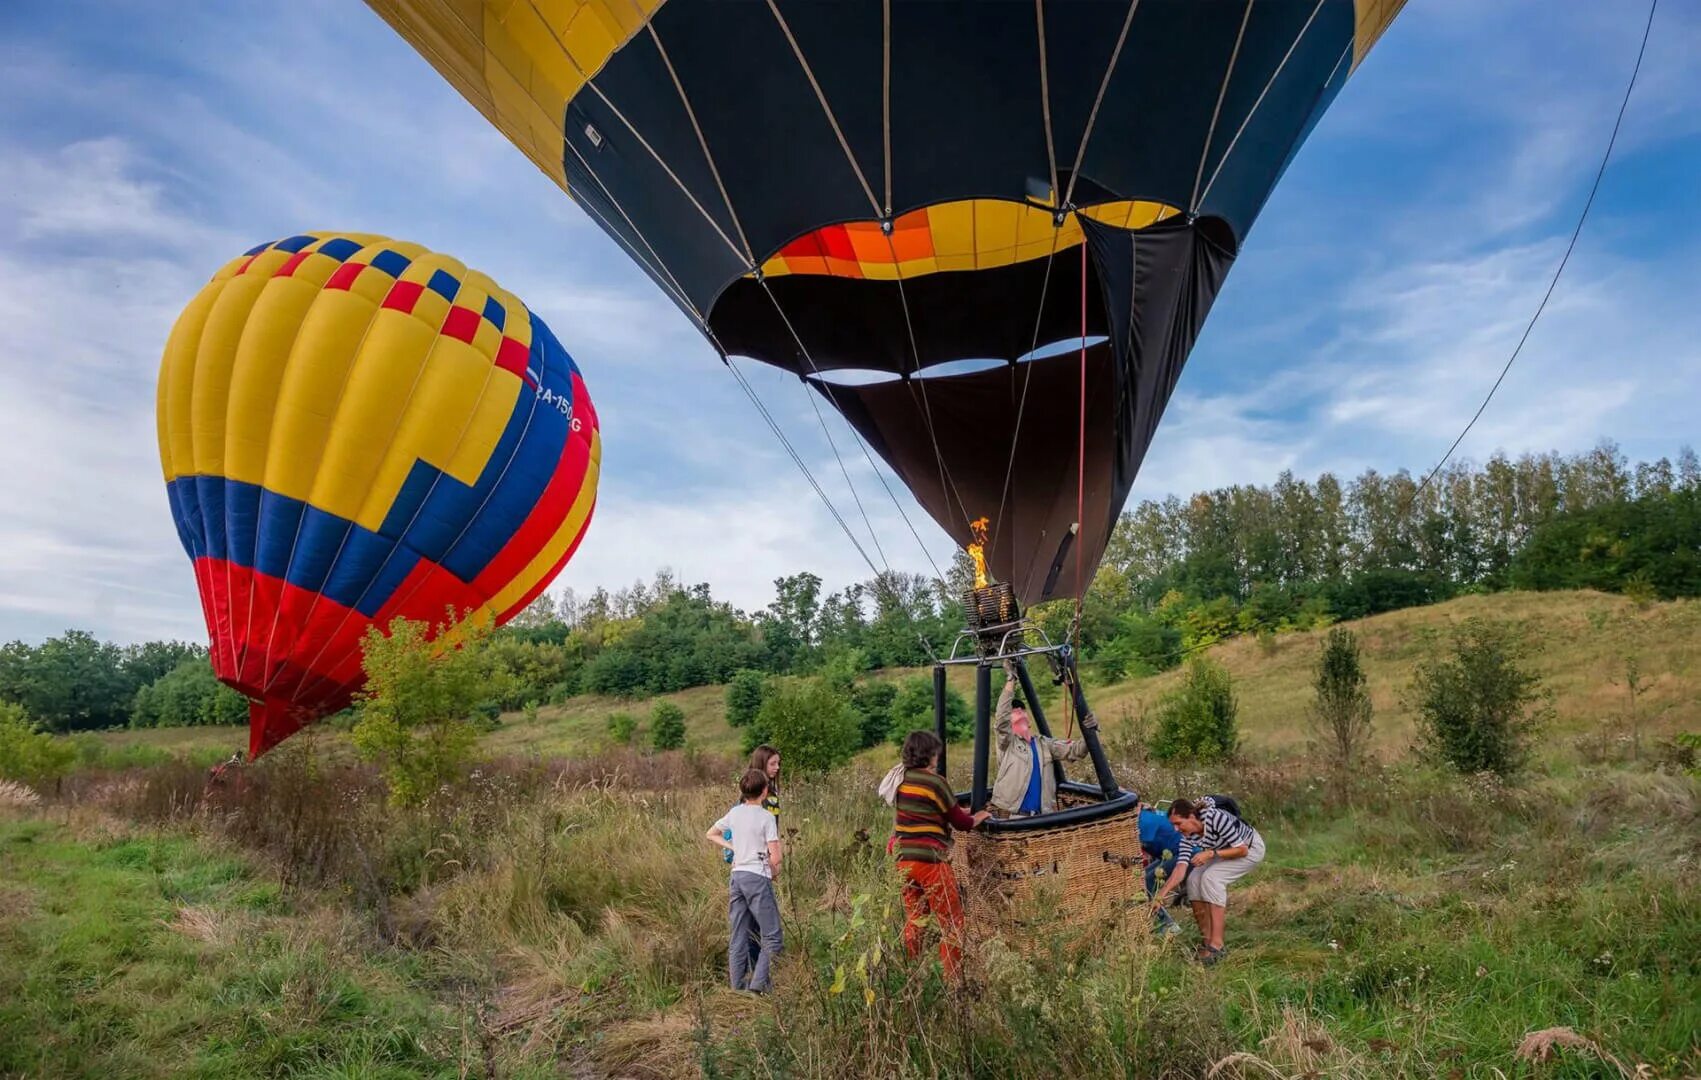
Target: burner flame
977, 551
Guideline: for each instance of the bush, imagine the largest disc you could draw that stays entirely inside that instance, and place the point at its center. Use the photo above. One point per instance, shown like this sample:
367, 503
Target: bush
421, 690
744, 696
30, 756
1478, 707
667, 726
808, 722
912, 710
1140, 646
621, 727
1198, 721
1340, 711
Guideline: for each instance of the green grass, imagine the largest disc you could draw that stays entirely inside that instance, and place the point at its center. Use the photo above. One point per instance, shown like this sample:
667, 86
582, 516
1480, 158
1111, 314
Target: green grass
155, 955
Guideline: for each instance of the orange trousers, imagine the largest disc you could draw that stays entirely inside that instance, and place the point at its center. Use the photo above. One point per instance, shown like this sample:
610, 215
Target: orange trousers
931, 890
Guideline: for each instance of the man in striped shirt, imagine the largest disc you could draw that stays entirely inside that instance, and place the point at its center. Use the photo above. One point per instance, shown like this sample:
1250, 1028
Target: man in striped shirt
924, 813
1216, 848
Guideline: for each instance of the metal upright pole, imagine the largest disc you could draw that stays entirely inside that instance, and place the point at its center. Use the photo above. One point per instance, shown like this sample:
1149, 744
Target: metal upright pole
939, 713
1036, 711
983, 734
1090, 729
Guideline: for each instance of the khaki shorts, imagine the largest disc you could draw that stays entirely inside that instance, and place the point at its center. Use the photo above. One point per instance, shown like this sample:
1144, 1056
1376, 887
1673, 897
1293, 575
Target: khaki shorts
1211, 884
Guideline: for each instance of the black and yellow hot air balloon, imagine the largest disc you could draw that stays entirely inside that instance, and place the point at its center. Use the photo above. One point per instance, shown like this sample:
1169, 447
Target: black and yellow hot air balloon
898, 187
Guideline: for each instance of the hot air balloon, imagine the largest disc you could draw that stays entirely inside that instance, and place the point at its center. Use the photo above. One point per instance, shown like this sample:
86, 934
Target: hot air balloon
898, 190
988, 234
355, 429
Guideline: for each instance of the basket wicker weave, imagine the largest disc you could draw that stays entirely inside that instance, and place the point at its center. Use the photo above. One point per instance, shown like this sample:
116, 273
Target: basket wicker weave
1019, 882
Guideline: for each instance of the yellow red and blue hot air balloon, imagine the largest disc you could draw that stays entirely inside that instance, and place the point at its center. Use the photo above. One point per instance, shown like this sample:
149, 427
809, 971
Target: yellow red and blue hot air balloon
355, 429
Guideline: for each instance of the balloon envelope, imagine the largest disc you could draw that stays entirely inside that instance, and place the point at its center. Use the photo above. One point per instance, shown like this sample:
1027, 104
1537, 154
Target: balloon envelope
355, 429
891, 185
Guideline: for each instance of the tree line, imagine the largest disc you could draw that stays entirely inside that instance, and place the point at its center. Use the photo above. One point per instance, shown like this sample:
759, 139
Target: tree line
1178, 575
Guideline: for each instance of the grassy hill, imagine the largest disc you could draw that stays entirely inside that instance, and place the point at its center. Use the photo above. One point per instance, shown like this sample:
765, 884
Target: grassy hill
1581, 640
559, 917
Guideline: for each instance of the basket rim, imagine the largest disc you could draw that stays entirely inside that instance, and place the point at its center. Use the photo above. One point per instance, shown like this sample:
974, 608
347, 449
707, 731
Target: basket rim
1101, 810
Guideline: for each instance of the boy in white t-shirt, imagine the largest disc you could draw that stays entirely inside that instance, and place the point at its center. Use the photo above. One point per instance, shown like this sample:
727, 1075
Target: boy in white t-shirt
752, 911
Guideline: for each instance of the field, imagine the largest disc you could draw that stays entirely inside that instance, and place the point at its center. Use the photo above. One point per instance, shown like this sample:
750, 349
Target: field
559, 913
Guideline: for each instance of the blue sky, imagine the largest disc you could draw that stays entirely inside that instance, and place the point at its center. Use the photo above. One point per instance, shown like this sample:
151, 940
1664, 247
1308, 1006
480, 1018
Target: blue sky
1388, 278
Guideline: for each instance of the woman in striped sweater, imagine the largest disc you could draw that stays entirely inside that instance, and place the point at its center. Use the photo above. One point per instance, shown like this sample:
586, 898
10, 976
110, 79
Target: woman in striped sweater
1216, 848
925, 811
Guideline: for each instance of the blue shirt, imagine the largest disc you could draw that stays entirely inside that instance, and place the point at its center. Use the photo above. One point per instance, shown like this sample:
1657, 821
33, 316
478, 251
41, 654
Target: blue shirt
1031, 801
1157, 835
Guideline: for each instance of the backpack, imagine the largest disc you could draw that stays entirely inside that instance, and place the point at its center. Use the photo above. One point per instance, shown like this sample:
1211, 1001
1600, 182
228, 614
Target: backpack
1228, 802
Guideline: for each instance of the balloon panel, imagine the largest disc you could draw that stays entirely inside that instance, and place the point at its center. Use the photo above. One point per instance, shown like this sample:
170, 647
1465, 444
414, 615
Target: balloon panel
353, 430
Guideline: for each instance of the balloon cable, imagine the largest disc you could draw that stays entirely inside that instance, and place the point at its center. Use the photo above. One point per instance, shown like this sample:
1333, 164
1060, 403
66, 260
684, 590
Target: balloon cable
1560, 269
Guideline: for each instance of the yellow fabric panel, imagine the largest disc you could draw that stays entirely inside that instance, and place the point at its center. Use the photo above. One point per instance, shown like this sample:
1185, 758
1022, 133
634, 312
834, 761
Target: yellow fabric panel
966, 235
172, 403
314, 376
1371, 18
551, 553
262, 356
380, 386
519, 61
214, 363
494, 395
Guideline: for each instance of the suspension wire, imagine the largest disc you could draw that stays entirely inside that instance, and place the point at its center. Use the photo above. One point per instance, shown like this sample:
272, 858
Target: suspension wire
1027, 377
844, 472
1558, 270
1081, 460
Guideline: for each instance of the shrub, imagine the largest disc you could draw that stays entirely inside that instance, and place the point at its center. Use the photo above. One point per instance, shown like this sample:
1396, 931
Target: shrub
667, 726
1340, 712
621, 727
421, 689
1198, 721
808, 722
744, 696
1140, 646
33, 757
1478, 707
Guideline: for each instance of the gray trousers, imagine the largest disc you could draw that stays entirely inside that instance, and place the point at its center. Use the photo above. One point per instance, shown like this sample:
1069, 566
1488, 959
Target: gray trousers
754, 916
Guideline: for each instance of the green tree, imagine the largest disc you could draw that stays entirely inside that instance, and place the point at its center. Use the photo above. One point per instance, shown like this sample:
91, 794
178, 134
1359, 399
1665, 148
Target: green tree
27, 755
872, 702
73, 682
667, 726
1340, 708
912, 710
744, 696
414, 715
810, 723
189, 695
1479, 706
1198, 720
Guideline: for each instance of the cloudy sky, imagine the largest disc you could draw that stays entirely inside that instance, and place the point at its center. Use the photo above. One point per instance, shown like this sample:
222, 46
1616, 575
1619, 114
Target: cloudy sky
144, 143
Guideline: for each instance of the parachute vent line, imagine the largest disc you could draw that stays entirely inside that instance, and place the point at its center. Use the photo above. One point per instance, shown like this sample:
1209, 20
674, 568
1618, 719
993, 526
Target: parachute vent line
886, 96
1022, 401
1045, 93
1093, 117
1222, 92
821, 96
702, 141
1193, 210
1558, 270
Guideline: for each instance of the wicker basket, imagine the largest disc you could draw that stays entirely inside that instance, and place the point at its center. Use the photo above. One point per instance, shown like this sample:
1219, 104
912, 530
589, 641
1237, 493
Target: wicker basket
1022, 883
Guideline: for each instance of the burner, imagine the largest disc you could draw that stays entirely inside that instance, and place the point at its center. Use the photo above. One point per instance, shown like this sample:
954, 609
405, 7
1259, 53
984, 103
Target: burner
991, 612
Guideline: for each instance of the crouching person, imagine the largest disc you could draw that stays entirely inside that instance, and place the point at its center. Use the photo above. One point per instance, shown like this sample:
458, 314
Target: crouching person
1216, 848
752, 835
924, 813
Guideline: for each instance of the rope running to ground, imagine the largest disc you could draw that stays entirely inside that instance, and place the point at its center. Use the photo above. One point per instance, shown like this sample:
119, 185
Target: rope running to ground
1560, 269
